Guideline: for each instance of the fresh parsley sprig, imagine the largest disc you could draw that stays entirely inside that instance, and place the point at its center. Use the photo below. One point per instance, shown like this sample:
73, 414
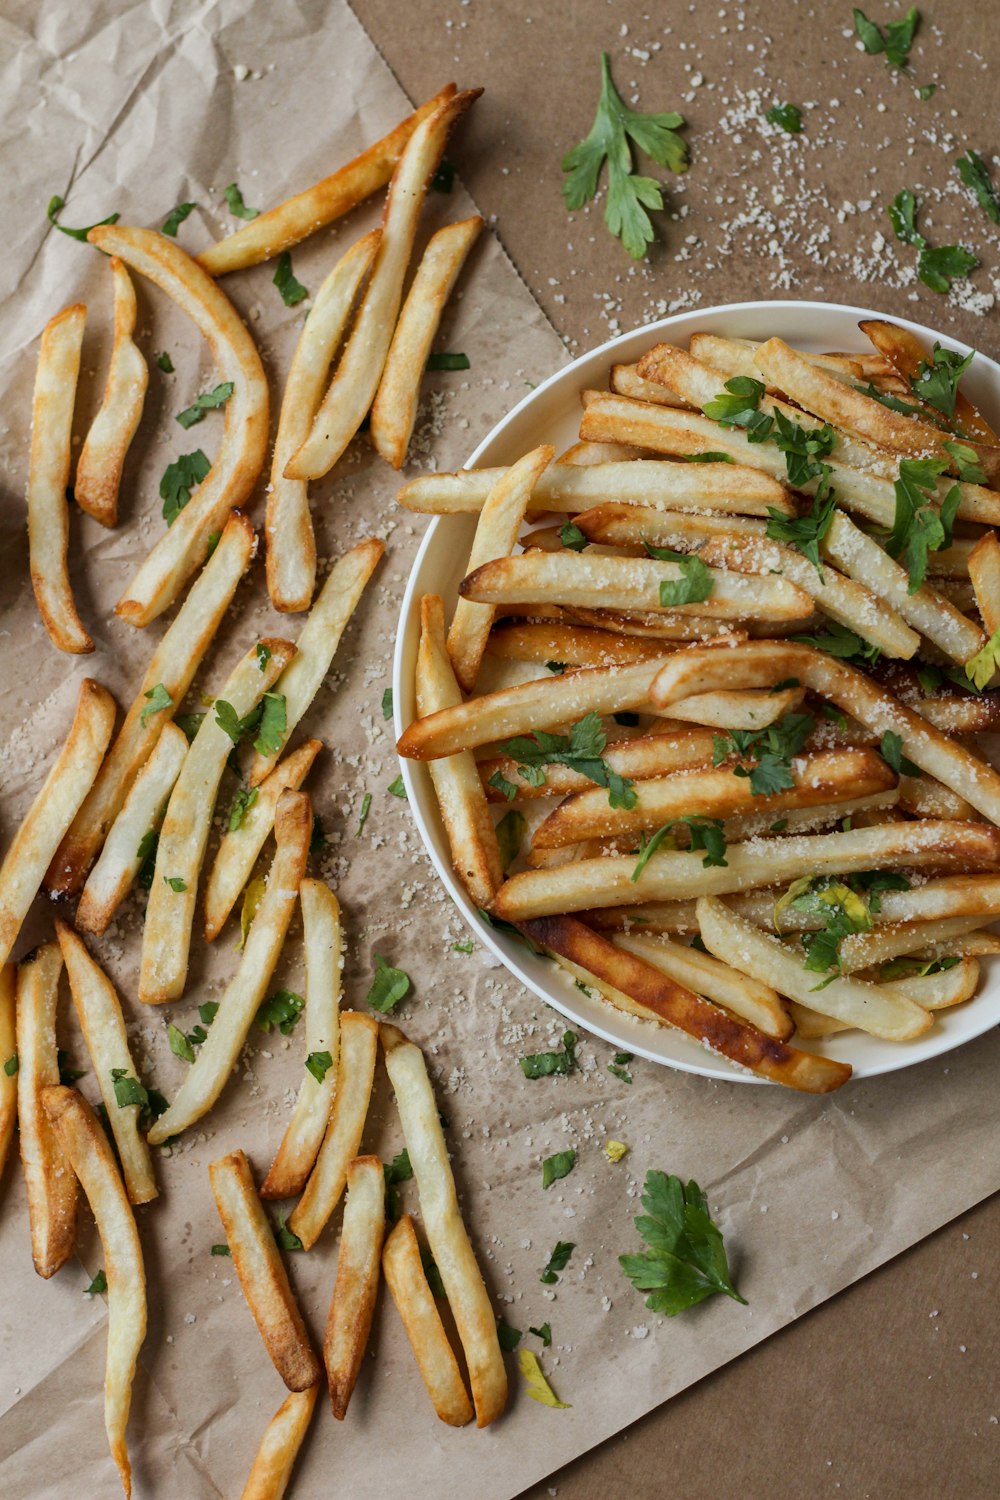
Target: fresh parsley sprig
975, 176
895, 41
179, 479
937, 266
207, 401
918, 528
582, 750
547, 1064
737, 405
840, 641
772, 750
629, 195
936, 380
57, 204
685, 1260
706, 834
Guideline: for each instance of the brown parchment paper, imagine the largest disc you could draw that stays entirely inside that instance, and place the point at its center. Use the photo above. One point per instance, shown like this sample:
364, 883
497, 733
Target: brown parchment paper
135, 109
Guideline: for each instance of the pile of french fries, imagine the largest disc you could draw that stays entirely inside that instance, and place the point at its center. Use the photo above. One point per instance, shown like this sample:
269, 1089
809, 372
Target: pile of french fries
577, 613
139, 801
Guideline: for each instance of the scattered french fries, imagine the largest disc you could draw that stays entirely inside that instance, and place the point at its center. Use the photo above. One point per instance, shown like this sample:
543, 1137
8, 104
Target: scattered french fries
102, 457
50, 1184
407, 1282
356, 1289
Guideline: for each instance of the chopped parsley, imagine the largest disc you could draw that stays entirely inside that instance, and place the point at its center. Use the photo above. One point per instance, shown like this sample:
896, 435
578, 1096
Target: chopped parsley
966, 461
535, 1384
980, 668
207, 401
176, 883
737, 406
544, 1333
708, 458
787, 117
286, 1238
222, 1249
572, 537
707, 834
895, 41
545, 1064
772, 749
165, 363
11, 1066
557, 1261
448, 361
242, 803
805, 532
891, 750
974, 174
936, 380
267, 722
938, 265
693, 587
840, 641
554, 1168
156, 698
56, 205
396, 1171
388, 986
508, 1337
319, 1064
685, 1259
397, 788
180, 1046
619, 1066
387, 704
175, 218
189, 723
234, 199
291, 289
146, 855
263, 656
208, 1011
281, 1010
918, 528
98, 1285
128, 1090
433, 1275
467, 947
366, 807
179, 479
629, 196
582, 750
510, 836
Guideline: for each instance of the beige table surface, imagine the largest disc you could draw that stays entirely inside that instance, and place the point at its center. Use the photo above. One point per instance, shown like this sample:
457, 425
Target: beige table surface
890, 1389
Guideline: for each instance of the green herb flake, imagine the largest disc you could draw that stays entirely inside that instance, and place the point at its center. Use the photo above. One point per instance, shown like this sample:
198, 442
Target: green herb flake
282, 1009
508, 1337
937, 378
11, 1066
685, 1260
179, 1044
546, 1064
787, 117
772, 749
175, 218
234, 198
387, 704
319, 1064
222, 1249
706, 834
366, 806
242, 803
286, 1238
273, 725
557, 1261
572, 537
165, 363
179, 479
128, 1090
176, 883
554, 1168
156, 698
975, 176
98, 1285
980, 668
397, 788
582, 750
693, 587
388, 987
57, 204
431, 1272
447, 361
966, 461
895, 41
467, 947
207, 401
292, 291
544, 1333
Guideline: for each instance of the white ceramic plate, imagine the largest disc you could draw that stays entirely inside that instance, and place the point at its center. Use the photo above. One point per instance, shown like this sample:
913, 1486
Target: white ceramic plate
551, 414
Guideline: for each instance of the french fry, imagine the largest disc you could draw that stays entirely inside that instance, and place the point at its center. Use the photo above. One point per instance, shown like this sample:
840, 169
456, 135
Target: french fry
262, 1273
102, 457
54, 808
663, 627
762, 663
356, 377
673, 917
300, 216
881, 620
240, 846
751, 708
539, 704
48, 477
828, 776
355, 1291
624, 525
863, 949
575, 578
736, 357
50, 1184
739, 943
120, 861
658, 754
173, 665
238, 463
625, 380
598, 453
905, 353
8, 1059
572, 487
934, 900
984, 570
933, 991
856, 812
166, 933
394, 409
496, 536
323, 940
740, 994
634, 986
975, 945
279, 1447
448, 1237
291, 542
925, 608
103, 1025
570, 645
209, 1073
406, 1280
958, 714
319, 638
924, 797
86, 1148
345, 1127
460, 794
676, 874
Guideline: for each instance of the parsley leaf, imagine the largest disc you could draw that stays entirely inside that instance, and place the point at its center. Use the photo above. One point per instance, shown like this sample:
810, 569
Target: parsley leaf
366, 805
973, 172
319, 1064
571, 536
242, 803
773, 749
980, 668
292, 291
937, 267
128, 1090
558, 1166
895, 42
207, 401
557, 1261
510, 836
190, 723
443, 360
396, 1171
629, 196
805, 532
936, 380
180, 1045
397, 788
706, 834
12, 1064
175, 218
234, 198
388, 987
787, 116
286, 1238
431, 1272
179, 479
56, 204
582, 750
387, 704
737, 406
693, 587
840, 641
508, 1337
545, 1064
891, 750
176, 883
146, 852
222, 1249
917, 527
165, 363
966, 461
273, 724
99, 1284
686, 1259
544, 1333
156, 698
282, 1009
902, 213
708, 458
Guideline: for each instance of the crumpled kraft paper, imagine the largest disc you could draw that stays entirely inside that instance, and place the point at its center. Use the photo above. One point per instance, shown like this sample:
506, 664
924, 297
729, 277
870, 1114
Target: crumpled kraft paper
135, 108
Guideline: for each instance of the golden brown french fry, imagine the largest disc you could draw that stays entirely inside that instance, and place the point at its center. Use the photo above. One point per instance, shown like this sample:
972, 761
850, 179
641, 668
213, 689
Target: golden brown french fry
729, 488
895, 940
576, 578
238, 463
86, 1148
676, 874
166, 933
759, 663
634, 986
448, 1237
103, 1025
172, 667
657, 754
749, 708
828, 776
598, 453
539, 704
279, 1447
625, 380
102, 457
881, 620
240, 846
740, 994
355, 1291
48, 477
356, 377
496, 536
291, 542
932, 991
209, 1073
975, 945
461, 798
345, 1127
323, 940
54, 808
262, 1273
924, 797
905, 353
319, 638
120, 861
738, 942
567, 645
406, 1280
855, 812
925, 608
298, 217
736, 357
630, 525
984, 570
8, 1059
394, 409
51, 1186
